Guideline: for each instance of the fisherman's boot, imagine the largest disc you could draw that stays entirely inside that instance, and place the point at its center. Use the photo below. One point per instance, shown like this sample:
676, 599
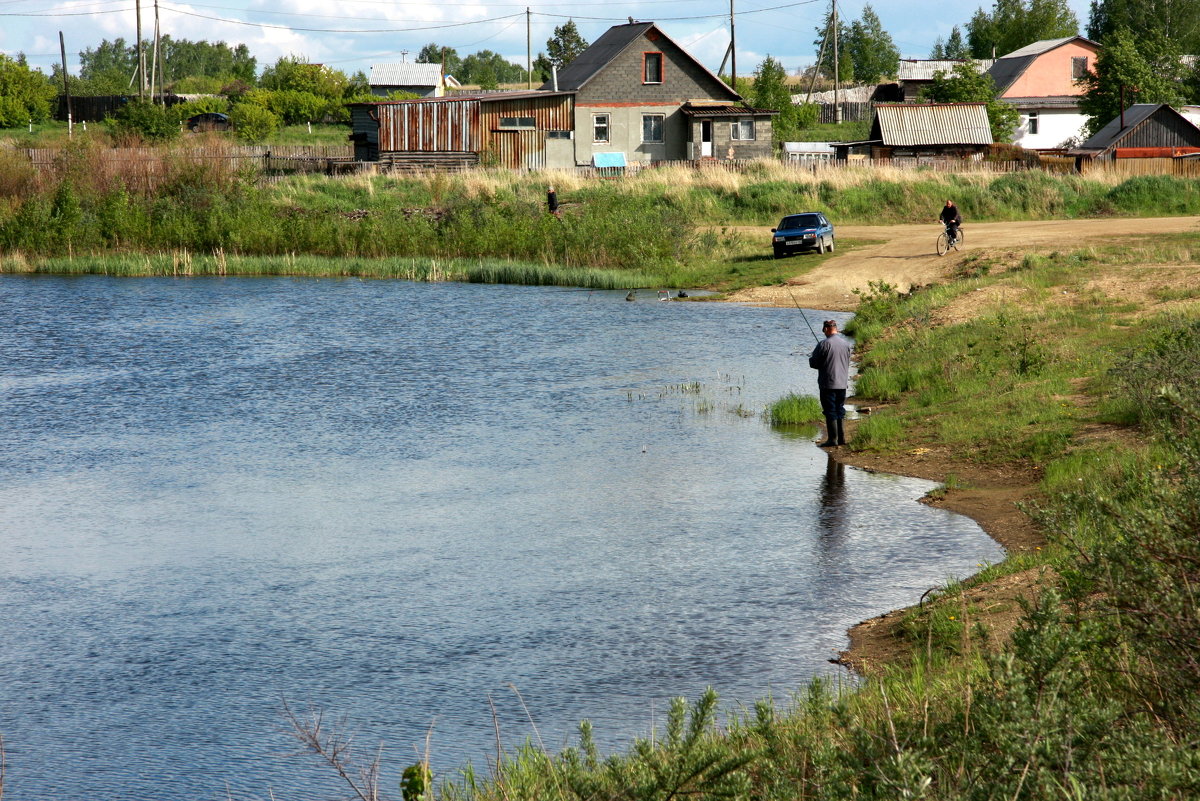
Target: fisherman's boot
831, 431
841, 434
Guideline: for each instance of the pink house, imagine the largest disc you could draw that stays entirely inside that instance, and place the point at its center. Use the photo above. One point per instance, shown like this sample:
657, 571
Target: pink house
1041, 80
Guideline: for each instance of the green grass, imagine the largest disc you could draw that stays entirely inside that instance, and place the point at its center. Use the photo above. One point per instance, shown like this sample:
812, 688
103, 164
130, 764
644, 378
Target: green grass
794, 410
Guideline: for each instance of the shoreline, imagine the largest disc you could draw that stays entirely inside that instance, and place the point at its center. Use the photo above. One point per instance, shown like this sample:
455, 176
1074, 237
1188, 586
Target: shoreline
988, 495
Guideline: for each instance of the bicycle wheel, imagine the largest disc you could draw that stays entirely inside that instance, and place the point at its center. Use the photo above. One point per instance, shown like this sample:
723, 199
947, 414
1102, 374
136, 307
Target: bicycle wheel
958, 240
943, 243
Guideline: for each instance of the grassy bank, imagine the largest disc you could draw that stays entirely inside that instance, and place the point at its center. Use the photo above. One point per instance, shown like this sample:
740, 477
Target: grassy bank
674, 223
1080, 368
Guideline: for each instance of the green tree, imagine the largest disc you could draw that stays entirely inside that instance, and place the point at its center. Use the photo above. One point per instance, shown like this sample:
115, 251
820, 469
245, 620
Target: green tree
502, 70
294, 74
872, 51
432, 54
565, 44
967, 84
25, 94
1146, 75
824, 47
1013, 24
1177, 21
956, 48
771, 91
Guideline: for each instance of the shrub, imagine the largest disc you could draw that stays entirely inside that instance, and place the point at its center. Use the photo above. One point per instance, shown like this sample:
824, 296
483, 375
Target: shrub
145, 120
252, 122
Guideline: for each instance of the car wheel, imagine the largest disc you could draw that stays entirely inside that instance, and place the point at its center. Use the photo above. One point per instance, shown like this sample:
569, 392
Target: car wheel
195, 129
831, 244
820, 245
779, 254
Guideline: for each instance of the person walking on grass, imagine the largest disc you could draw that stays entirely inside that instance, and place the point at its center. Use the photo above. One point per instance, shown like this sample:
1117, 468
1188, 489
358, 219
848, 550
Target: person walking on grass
552, 201
831, 359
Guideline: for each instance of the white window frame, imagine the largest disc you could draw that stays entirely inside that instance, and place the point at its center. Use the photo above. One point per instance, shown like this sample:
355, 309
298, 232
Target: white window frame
738, 127
601, 121
1032, 121
662, 124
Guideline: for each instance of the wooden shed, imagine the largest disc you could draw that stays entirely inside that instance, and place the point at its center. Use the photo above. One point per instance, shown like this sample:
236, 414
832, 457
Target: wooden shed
1144, 130
507, 129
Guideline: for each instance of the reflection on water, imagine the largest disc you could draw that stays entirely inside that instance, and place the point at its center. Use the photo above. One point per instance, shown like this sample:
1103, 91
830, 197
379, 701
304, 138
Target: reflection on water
396, 502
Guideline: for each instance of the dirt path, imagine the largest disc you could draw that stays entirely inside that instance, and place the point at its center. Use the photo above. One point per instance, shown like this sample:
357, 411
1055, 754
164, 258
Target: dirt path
906, 256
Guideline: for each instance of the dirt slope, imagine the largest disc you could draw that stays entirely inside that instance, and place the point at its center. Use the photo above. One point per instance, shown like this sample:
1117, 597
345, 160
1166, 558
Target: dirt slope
907, 256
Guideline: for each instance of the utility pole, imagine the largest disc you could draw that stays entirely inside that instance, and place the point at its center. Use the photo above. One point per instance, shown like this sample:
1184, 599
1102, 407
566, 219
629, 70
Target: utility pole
837, 106
62, 46
732, 49
156, 65
141, 56
528, 50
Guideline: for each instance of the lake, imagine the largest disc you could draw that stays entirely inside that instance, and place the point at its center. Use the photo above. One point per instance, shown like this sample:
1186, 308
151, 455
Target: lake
433, 511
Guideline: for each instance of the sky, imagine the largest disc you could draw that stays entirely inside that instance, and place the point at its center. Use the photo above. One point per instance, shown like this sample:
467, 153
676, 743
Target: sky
350, 35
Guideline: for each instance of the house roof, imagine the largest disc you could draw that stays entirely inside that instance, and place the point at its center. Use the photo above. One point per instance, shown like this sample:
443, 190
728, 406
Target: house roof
405, 74
600, 53
914, 124
1011, 66
851, 94
1113, 132
914, 69
724, 111
483, 97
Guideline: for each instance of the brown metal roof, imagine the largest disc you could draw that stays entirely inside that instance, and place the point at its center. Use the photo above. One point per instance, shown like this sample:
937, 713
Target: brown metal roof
915, 124
724, 111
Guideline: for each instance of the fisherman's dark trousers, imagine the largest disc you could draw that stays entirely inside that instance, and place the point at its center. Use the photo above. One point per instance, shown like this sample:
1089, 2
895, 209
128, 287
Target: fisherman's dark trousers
833, 403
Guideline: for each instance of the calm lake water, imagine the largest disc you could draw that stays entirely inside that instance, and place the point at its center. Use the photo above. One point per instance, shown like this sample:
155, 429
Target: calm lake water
396, 503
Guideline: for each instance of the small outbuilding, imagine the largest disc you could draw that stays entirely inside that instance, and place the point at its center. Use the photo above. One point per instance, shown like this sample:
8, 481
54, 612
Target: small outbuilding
523, 130
423, 80
925, 131
1144, 130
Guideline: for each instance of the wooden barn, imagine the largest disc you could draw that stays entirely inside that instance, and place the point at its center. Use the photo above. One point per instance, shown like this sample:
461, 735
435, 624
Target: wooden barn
526, 130
1142, 131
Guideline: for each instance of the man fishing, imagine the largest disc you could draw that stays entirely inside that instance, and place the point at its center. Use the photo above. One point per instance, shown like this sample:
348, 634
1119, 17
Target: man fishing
831, 359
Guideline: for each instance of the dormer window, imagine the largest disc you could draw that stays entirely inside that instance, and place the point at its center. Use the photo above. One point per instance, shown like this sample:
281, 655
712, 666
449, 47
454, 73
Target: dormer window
652, 67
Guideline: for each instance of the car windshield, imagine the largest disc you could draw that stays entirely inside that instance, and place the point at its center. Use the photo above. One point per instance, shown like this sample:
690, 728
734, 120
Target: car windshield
801, 221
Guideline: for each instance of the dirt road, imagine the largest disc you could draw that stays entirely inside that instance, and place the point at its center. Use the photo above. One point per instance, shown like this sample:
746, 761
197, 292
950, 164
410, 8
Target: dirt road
907, 256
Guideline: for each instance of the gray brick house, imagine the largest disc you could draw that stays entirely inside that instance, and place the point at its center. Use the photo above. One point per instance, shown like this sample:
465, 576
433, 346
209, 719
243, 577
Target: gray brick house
640, 94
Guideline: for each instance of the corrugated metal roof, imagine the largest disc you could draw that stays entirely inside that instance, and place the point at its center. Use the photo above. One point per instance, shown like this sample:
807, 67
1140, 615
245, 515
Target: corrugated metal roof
851, 94
925, 69
909, 125
405, 74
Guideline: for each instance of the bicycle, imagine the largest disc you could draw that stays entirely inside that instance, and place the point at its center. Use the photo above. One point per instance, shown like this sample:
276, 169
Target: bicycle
946, 240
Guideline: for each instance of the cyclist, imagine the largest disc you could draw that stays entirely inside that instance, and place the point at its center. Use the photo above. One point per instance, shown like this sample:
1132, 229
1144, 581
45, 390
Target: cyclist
951, 219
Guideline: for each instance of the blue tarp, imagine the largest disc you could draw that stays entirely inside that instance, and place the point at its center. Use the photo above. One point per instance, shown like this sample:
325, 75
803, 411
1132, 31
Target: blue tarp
608, 159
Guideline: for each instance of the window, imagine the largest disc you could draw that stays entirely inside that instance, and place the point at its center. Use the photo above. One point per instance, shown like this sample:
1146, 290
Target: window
517, 122
652, 68
599, 127
652, 127
742, 129
1032, 122
1079, 67
558, 134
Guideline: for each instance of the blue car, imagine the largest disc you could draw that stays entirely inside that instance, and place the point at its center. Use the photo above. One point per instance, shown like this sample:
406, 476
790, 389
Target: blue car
797, 232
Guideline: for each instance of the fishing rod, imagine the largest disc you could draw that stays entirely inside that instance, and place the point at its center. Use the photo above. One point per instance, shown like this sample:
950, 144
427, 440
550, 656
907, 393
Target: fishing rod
802, 314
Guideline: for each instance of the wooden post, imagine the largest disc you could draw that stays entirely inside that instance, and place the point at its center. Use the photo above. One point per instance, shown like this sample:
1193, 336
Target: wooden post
62, 45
